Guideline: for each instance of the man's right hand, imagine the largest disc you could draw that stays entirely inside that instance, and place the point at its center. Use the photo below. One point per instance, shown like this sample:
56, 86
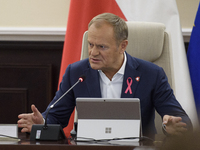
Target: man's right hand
27, 120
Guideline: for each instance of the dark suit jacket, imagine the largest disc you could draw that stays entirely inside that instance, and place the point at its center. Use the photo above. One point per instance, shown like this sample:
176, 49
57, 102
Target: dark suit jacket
152, 89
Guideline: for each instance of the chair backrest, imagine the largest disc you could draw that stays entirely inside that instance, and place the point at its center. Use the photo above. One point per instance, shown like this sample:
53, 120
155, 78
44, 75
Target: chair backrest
148, 41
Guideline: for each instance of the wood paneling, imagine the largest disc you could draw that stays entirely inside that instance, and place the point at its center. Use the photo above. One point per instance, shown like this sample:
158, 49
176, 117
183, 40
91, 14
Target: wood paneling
29, 74
35, 78
12, 102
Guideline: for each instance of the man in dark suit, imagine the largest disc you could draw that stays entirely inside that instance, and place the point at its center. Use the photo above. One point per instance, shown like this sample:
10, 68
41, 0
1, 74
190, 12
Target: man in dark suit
111, 72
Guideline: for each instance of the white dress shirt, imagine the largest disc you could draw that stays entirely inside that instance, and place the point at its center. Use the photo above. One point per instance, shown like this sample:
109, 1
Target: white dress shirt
112, 89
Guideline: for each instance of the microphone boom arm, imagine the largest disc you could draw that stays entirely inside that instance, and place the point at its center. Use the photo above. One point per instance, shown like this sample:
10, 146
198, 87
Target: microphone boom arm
52, 131
45, 124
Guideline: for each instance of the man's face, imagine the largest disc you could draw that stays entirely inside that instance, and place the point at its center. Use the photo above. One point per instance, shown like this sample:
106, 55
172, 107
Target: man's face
104, 54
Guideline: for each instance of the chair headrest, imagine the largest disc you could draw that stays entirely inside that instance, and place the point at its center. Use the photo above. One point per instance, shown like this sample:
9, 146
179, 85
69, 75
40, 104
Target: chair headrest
145, 38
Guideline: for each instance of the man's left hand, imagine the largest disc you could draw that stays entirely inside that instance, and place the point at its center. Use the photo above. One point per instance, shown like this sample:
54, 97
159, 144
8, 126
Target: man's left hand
173, 125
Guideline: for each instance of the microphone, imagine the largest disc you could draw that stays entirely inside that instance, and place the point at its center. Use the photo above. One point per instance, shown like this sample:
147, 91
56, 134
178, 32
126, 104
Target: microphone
81, 79
51, 131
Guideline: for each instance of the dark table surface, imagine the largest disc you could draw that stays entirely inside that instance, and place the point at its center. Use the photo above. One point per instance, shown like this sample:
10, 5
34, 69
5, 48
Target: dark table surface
24, 143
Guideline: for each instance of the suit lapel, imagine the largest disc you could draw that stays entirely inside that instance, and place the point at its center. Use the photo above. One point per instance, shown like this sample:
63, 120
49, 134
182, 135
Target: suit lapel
131, 78
92, 82
130, 74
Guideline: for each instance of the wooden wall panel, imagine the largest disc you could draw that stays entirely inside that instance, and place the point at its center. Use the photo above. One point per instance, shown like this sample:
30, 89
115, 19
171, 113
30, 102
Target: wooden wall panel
35, 78
12, 102
29, 74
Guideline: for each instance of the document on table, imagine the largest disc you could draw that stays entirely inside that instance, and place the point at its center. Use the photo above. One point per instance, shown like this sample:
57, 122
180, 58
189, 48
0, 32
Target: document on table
8, 132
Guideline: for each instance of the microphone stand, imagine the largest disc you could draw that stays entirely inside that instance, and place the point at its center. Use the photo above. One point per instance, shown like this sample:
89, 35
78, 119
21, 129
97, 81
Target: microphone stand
45, 124
51, 131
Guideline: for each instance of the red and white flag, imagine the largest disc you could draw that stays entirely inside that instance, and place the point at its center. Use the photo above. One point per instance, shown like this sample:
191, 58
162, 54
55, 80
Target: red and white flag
164, 11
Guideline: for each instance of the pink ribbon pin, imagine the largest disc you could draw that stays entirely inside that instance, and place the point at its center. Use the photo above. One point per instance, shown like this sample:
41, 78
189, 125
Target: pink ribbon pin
129, 85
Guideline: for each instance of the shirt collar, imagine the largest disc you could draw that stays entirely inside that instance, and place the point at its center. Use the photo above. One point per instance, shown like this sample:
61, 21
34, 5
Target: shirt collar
122, 69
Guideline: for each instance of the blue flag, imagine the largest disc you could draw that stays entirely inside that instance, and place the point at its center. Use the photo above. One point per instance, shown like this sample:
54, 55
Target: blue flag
193, 55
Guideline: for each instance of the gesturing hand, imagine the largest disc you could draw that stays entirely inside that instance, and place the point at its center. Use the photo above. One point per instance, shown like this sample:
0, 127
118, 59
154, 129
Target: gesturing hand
174, 126
27, 120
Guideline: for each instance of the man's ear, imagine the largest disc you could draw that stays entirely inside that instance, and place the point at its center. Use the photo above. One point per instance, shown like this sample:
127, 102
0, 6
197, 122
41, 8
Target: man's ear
123, 46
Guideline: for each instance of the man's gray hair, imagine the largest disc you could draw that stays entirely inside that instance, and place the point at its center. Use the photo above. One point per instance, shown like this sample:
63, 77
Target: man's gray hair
119, 25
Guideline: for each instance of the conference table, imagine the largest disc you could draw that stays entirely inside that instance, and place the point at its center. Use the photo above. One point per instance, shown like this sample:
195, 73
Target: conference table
26, 144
